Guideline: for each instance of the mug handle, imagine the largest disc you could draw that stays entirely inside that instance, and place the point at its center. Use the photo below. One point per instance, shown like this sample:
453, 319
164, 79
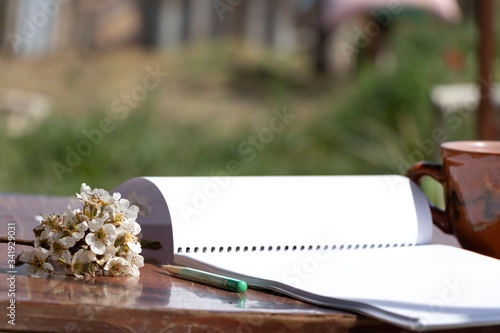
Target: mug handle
433, 170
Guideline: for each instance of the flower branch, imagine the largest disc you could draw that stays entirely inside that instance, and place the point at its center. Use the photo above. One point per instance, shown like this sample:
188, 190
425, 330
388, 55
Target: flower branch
100, 239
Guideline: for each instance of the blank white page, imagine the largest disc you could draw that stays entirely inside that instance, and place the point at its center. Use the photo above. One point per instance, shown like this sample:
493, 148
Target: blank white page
266, 212
418, 287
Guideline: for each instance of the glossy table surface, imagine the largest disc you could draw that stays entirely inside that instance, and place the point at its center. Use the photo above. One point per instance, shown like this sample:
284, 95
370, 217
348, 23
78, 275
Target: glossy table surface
152, 302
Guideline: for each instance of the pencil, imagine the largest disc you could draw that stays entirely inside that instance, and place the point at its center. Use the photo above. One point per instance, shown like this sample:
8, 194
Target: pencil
210, 279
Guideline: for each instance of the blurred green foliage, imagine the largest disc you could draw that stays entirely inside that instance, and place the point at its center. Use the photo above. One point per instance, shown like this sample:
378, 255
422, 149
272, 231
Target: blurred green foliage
375, 123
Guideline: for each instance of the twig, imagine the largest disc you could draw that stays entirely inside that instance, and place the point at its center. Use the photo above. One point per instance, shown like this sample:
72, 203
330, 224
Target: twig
17, 241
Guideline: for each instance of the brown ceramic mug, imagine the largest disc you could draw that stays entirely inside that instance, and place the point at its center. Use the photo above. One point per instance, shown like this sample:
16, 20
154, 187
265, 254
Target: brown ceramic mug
471, 176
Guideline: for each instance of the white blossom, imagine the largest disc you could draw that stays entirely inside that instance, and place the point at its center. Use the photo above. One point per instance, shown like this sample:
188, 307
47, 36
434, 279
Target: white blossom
101, 238
101, 234
109, 252
96, 199
117, 266
51, 222
134, 246
135, 261
73, 226
44, 241
122, 213
78, 265
130, 231
37, 260
60, 248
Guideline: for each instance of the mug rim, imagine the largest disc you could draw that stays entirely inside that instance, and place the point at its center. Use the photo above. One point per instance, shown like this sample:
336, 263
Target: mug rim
489, 147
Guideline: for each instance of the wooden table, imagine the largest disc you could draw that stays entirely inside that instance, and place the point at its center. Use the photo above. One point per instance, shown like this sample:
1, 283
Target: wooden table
153, 302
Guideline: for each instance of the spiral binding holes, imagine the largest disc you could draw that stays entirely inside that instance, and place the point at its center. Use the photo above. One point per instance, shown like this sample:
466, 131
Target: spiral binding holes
293, 248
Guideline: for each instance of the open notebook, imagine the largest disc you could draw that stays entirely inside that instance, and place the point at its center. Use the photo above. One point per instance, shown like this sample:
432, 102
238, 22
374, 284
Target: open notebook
358, 243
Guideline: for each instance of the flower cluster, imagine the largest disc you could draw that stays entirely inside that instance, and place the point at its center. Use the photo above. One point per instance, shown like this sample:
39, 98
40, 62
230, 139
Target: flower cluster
100, 239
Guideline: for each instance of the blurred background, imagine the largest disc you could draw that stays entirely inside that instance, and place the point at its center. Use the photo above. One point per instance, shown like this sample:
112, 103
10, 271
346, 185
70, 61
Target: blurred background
100, 91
